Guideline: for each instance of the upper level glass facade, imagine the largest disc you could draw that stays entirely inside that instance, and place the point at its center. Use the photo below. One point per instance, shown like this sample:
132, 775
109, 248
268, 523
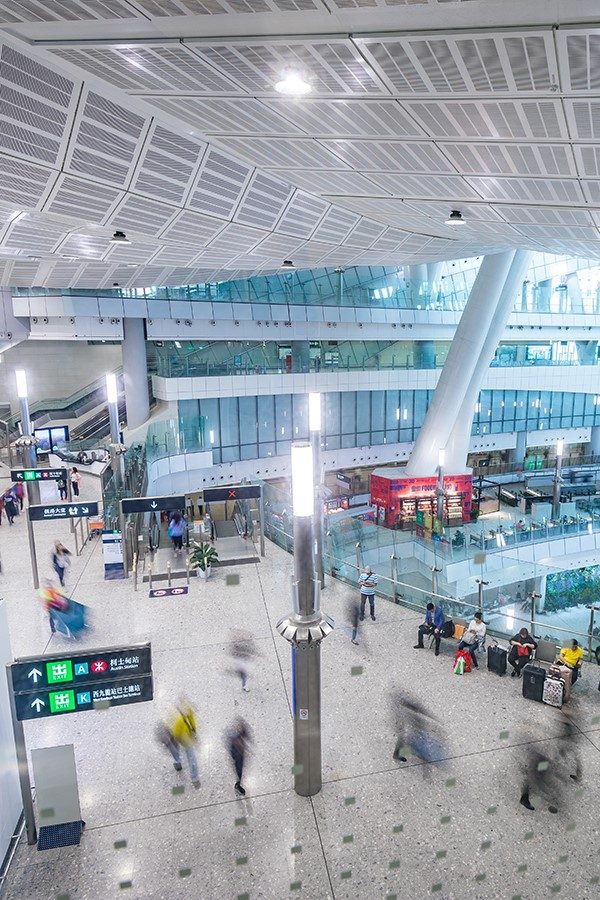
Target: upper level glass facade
548, 287
237, 428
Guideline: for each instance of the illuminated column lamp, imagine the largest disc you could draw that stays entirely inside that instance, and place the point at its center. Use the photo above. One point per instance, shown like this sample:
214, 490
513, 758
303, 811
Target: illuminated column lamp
28, 451
556, 487
112, 398
314, 427
305, 628
440, 489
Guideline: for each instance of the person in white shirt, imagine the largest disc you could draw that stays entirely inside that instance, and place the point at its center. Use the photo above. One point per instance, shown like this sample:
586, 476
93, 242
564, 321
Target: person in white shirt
473, 637
368, 583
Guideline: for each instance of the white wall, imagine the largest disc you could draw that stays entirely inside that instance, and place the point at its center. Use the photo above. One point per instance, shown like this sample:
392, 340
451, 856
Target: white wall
55, 369
10, 794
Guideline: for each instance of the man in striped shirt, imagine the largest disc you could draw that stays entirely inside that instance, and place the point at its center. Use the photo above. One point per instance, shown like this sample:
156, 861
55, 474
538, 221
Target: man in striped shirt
368, 583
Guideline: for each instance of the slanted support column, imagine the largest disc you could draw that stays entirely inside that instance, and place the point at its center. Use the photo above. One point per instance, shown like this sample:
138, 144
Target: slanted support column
135, 372
417, 281
594, 445
460, 365
459, 439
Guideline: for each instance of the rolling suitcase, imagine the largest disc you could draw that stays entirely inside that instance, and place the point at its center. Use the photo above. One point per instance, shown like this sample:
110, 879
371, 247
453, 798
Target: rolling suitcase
496, 659
534, 678
554, 689
565, 674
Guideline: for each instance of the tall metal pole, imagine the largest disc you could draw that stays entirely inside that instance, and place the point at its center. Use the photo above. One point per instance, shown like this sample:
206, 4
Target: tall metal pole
261, 507
21, 753
556, 485
305, 628
32, 553
314, 425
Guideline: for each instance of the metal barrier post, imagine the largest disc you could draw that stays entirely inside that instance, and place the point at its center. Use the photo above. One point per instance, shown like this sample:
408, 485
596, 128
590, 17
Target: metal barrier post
169, 574
187, 569
592, 610
394, 575
135, 573
358, 555
150, 577
434, 572
23, 767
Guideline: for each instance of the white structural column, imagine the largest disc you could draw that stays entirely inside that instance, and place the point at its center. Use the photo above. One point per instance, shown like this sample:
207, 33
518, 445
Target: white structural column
457, 447
433, 278
135, 372
12, 330
460, 364
594, 445
417, 280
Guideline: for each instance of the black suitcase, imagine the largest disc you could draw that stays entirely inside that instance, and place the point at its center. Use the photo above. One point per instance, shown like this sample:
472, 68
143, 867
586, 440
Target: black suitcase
533, 682
496, 660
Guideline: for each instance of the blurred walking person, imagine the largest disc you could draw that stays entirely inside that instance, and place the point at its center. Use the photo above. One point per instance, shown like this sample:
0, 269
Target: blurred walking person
10, 505
184, 736
61, 484
353, 617
61, 560
546, 771
20, 494
418, 731
237, 740
243, 650
176, 531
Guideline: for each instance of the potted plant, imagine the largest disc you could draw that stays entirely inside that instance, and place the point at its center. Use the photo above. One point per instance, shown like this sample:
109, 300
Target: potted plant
203, 557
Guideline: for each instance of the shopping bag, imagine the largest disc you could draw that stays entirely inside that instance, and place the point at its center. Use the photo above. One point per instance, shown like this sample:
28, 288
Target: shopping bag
459, 666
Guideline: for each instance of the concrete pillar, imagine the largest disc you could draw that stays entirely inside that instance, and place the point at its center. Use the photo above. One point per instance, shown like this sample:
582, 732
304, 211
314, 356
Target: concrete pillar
574, 299
517, 454
135, 372
593, 447
542, 296
434, 271
417, 277
457, 447
460, 364
300, 356
424, 354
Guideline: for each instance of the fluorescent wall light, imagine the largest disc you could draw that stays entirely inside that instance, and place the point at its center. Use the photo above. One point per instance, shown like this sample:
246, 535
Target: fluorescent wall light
441, 458
314, 412
303, 485
560, 445
112, 395
21, 379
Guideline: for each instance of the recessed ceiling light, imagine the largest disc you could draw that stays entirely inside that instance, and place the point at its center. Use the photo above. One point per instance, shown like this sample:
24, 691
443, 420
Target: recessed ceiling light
288, 264
119, 237
71, 258
293, 85
455, 218
178, 345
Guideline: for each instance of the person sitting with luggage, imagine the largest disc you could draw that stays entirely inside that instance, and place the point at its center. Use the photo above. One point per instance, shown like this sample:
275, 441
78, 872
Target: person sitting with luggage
473, 637
522, 646
572, 657
433, 624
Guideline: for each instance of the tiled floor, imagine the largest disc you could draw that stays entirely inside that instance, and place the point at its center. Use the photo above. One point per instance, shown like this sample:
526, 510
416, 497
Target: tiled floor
378, 828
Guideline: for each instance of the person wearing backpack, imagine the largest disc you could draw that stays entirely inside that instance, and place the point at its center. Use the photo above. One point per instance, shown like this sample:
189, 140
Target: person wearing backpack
183, 732
176, 531
433, 624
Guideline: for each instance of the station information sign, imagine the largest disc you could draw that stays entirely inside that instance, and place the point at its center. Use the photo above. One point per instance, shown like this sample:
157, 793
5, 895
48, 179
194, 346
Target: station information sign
62, 511
237, 492
151, 504
38, 474
52, 685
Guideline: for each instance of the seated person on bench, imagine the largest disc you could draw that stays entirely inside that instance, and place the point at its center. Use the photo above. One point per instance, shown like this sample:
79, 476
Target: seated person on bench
522, 646
572, 656
473, 637
433, 624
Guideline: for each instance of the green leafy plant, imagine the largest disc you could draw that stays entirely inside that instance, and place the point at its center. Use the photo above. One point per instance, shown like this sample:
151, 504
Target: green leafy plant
203, 556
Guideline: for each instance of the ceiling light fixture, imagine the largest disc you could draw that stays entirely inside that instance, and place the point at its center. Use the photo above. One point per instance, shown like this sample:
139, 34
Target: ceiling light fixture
119, 237
288, 264
292, 84
455, 218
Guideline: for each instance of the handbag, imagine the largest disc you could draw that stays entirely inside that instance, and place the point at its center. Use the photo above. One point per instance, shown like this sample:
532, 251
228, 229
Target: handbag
522, 651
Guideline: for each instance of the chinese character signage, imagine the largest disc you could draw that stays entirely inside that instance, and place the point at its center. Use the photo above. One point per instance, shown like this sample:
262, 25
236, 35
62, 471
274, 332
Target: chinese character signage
62, 511
47, 686
38, 474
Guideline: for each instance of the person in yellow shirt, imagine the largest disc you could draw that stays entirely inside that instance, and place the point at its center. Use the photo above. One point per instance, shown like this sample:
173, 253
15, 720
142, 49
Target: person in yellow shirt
183, 732
572, 656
